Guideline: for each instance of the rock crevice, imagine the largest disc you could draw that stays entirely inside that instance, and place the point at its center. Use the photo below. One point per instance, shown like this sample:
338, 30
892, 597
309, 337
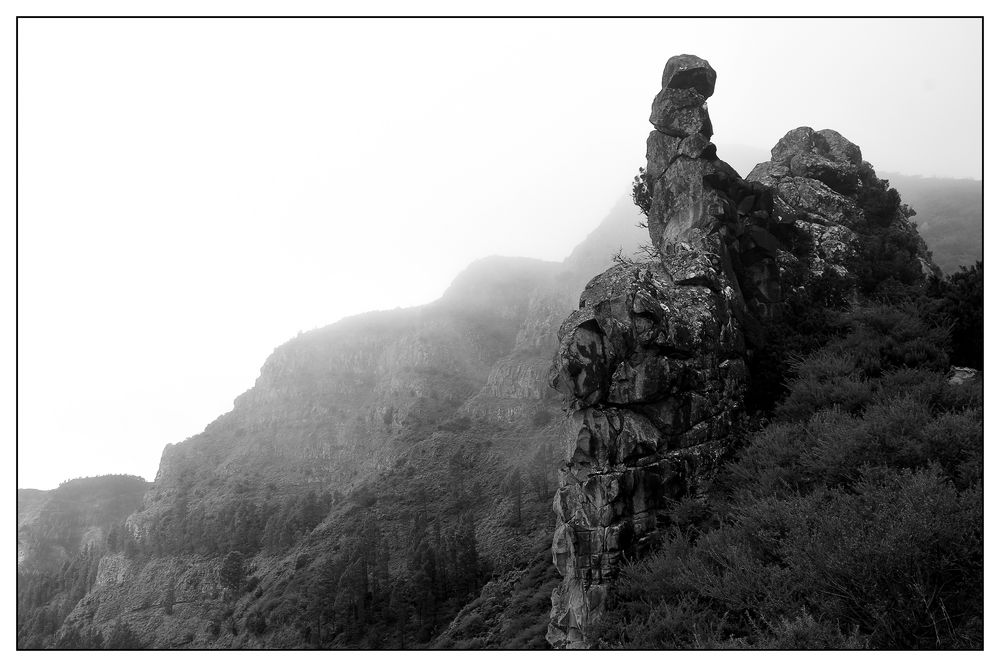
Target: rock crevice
652, 363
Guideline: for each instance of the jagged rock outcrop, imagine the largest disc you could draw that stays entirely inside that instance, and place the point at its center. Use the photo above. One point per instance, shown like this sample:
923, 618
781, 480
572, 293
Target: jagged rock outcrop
653, 361
655, 375
699, 205
827, 200
654, 364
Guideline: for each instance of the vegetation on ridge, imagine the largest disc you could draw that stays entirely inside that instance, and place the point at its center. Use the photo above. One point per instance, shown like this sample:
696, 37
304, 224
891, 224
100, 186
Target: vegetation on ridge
854, 517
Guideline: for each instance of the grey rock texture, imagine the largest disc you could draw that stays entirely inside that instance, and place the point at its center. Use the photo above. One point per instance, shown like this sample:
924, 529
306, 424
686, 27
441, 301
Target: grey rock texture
654, 373
823, 189
652, 363
687, 71
679, 113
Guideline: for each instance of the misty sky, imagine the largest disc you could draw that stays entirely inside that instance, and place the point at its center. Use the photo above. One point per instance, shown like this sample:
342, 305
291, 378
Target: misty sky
195, 192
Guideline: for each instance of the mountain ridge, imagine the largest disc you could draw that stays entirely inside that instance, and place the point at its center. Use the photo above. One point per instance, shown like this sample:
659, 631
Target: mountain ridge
337, 409
388, 480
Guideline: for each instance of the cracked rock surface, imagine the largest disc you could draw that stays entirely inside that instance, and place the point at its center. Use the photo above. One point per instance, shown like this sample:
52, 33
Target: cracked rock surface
652, 364
820, 182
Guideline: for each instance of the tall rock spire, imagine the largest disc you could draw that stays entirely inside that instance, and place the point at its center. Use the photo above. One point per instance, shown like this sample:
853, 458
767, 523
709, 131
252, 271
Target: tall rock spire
652, 364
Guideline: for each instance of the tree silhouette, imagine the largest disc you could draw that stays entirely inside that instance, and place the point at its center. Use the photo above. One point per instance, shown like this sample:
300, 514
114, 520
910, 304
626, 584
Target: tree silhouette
232, 572
512, 485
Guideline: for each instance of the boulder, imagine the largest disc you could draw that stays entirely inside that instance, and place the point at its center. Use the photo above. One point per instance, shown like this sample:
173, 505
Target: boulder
805, 198
680, 112
959, 375
825, 156
687, 71
821, 187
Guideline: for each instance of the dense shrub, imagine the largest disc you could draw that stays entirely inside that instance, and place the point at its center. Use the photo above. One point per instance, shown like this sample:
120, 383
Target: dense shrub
511, 615
853, 520
232, 571
894, 562
806, 322
256, 623
641, 196
960, 301
123, 638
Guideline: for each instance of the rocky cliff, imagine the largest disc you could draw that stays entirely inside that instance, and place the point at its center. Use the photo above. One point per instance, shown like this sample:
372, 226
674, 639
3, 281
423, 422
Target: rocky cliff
655, 363
429, 419
54, 526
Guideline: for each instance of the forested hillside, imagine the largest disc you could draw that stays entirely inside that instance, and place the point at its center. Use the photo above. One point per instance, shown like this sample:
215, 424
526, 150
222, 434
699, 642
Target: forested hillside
443, 539
61, 537
379, 474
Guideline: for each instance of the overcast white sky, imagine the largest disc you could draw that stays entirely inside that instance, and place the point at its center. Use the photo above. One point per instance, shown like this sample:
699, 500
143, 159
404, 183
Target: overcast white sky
194, 192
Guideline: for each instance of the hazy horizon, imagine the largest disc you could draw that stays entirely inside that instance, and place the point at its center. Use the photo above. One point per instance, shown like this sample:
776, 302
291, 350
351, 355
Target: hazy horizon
193, 193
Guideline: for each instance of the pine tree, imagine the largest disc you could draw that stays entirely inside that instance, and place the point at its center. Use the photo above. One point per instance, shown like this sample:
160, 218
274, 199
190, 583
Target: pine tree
168, 600
513, 485
232, 572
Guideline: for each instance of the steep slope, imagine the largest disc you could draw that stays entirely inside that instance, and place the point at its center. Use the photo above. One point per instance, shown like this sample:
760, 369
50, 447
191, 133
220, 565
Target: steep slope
388, 480
336, 404
54, 526
61, 535
29, 501
381, 447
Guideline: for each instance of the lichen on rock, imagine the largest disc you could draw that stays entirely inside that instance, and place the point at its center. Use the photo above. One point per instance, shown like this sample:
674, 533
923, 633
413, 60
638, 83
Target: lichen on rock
823, 203
652, 363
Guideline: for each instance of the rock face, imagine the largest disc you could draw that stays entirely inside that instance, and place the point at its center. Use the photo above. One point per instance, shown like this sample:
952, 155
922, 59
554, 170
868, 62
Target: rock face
54, 526
655, 377
700, 206
826, 200
652, 363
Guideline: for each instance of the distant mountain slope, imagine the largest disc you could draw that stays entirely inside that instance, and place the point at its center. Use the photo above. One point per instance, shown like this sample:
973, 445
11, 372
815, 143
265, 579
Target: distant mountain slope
368, 452
394, 443
61, 536
619, 230
28, 503
53, 526
949, 216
